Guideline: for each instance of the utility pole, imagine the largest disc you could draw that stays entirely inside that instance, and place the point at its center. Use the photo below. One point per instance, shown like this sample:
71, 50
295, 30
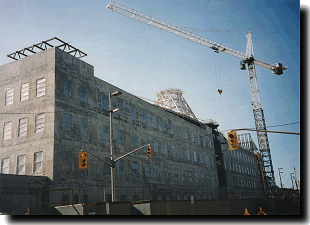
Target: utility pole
292, 180
112, 160
280, 176
111, 144
296, 179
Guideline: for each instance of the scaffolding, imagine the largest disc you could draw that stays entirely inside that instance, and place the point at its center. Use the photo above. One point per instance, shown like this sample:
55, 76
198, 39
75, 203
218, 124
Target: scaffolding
173, 99
246, 142
44, 45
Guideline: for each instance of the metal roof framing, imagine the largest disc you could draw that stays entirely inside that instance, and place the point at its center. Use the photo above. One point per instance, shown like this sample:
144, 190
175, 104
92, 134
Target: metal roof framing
44, 45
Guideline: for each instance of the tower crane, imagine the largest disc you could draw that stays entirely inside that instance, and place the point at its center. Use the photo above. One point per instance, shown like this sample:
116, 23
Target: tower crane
246, 59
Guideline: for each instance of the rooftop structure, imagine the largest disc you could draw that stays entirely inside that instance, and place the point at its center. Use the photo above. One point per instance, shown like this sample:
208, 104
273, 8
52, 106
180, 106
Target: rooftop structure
173, 99
44, 45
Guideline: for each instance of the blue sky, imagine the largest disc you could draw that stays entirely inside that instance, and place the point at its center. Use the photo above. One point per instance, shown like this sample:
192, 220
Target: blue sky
142, 60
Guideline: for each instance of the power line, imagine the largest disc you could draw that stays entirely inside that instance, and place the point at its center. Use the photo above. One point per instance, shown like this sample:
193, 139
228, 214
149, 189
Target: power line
267, 126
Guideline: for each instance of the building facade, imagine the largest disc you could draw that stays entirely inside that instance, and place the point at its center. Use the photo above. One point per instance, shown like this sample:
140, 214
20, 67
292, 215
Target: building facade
52, 107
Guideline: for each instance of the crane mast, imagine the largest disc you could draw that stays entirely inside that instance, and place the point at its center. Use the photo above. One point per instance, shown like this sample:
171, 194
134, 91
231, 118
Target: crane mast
246, 59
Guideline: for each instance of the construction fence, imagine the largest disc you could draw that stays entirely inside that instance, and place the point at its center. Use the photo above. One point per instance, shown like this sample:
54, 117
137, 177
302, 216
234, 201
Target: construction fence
175, 207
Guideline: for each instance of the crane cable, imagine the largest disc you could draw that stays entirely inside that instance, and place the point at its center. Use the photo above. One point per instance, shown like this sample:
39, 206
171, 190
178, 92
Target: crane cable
219, 90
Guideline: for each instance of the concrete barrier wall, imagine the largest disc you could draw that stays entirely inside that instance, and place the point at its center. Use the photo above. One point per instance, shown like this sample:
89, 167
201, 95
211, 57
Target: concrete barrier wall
18, 192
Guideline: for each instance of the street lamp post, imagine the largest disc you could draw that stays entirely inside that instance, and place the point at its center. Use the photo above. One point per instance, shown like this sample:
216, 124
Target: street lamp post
112, 163
280, 176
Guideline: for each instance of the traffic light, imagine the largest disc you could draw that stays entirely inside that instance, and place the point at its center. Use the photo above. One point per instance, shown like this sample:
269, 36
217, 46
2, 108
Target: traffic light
83, 160
149, 152
232, 140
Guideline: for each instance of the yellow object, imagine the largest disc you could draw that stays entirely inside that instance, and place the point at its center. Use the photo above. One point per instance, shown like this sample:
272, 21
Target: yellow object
261, 173
261, 212
246, 212
83, 160
149, 152
232, 140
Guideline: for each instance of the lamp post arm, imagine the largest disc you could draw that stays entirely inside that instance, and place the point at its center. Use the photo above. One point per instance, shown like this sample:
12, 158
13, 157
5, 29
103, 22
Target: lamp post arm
131, 152
100, 159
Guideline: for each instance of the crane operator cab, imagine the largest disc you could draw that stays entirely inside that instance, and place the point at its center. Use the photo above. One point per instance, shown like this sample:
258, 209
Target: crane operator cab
242, 65
278, 69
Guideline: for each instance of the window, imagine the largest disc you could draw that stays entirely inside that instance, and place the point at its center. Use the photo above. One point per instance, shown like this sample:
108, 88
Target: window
83, 94
37, 163
120, 137
66, 161
193, 137
39, 122
165, 148
119, 105
132, 113
200, 158
134, 141
24, 92
195, 157
67, 87
157, 171
190, 176
210, 142
147, 170
188, 155
155, 146
144, 142
204, 141
206, 159
67, 123
167, 173
84, 128
212, 161
173, 150
135, 169
5, 166
175, 174
143, 114
9, 96
154, 123
183, 175
20, 170
22, 129
181, 153
40, 87
208, 178
105, 133
196, 177
163, 125
7, 131
202, 178
105, 102
121, 167
185, 134
171, 128
179, 132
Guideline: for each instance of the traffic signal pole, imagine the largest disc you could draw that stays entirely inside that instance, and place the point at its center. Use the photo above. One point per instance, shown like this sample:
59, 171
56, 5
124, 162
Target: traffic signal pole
112, 166
83, 155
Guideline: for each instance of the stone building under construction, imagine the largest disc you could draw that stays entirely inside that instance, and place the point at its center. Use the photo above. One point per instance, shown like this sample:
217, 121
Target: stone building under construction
52, 107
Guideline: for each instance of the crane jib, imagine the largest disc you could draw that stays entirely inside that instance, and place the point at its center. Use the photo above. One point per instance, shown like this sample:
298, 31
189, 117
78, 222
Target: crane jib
217, 47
